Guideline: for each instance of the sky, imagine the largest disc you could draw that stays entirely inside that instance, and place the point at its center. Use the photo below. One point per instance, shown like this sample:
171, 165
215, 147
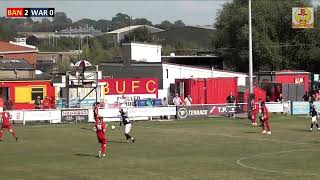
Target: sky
191, 12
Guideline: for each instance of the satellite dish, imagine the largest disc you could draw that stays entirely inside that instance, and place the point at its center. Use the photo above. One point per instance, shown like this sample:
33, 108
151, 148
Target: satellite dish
87, 63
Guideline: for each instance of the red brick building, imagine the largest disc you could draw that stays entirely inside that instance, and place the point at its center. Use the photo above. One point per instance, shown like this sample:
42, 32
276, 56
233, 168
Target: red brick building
14, 51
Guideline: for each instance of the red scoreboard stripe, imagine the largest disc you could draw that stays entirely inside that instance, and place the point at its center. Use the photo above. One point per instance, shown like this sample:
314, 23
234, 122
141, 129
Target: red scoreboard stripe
15, 12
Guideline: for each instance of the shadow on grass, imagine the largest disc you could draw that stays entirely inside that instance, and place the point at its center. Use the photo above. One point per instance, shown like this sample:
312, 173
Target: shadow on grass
120, 142
250, 132
86, 155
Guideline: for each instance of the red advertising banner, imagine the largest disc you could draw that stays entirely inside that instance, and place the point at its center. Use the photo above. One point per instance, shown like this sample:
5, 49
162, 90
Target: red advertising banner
130, 86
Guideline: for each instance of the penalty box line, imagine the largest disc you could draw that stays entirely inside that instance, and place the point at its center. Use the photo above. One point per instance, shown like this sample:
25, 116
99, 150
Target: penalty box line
275, 171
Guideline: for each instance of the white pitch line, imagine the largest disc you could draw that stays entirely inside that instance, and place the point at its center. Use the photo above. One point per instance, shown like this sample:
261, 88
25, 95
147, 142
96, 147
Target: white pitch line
230, 136
275, 171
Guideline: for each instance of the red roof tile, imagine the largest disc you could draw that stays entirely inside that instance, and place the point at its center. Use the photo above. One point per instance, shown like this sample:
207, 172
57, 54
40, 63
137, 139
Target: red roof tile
6, 46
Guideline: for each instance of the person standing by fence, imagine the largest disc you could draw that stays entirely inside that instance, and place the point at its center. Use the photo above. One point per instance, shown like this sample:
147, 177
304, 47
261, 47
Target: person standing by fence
177, 100
37, 103
164, 103
188, 101
231, 100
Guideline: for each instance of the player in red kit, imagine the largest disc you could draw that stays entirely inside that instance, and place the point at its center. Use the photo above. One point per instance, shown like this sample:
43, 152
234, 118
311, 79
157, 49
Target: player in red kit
254, 110
5, 116
264, 118
100, 129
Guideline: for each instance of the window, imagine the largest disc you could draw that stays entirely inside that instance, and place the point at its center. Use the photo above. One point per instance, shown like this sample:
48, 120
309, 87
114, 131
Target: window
38, 91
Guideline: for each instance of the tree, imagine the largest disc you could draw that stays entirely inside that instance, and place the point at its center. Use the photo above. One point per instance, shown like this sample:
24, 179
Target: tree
276, 45
6, 33
165, 25
178, 24
139, 35
121, 20
142, 21
61, 21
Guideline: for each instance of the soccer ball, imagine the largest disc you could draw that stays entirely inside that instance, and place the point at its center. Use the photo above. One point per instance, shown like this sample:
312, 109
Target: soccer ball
113, 127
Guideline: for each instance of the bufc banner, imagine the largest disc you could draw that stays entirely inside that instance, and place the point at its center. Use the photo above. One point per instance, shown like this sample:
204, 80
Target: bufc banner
302, 17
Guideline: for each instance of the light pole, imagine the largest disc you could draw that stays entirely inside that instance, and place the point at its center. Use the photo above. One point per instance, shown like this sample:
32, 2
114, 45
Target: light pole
250, 52
251, 95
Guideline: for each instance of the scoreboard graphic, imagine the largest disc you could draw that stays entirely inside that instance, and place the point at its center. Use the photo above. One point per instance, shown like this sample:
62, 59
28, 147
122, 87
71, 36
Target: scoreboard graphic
30, 12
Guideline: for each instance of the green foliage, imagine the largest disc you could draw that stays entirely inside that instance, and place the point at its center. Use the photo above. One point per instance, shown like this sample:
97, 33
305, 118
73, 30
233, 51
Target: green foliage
95, 53
6, 33
139, 35
276, 45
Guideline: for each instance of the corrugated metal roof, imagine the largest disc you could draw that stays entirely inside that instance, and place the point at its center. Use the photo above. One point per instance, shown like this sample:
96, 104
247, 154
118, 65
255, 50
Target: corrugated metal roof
130, 28
10, 64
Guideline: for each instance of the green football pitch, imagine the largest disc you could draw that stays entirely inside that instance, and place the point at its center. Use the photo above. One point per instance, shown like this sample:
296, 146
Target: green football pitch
219, 148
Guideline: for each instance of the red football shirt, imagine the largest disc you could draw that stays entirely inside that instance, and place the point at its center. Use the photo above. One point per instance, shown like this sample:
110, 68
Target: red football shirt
5, 118
100, 129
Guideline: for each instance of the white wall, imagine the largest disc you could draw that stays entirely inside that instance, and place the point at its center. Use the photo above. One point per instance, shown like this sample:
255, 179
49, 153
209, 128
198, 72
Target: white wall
181, 72
145, 52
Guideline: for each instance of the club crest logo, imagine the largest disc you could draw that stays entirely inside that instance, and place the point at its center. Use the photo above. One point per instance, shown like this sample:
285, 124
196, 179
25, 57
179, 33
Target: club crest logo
302, 17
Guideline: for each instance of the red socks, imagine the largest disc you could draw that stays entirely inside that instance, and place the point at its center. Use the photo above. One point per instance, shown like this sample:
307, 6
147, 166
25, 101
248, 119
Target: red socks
13, 134
103, 148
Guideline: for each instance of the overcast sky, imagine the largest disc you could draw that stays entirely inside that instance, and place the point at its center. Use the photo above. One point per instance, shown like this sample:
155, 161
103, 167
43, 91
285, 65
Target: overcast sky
192, 12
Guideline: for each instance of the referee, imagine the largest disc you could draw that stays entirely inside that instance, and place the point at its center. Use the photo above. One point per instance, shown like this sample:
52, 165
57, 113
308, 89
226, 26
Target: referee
127, 125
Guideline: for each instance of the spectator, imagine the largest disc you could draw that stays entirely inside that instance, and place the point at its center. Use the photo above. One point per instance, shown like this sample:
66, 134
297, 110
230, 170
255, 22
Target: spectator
312, 98
177, 100
280, 99
188, 101
149, 102
46, 103
9, 105
102, 104
37, 103
306, 96
164, 102
230, 101
318, 95
230, 98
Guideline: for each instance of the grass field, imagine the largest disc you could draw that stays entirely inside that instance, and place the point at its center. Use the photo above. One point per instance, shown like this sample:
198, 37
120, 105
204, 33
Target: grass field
196, 149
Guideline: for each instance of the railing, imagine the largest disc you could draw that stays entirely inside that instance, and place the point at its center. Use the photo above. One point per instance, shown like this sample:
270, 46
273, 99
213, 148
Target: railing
149, 113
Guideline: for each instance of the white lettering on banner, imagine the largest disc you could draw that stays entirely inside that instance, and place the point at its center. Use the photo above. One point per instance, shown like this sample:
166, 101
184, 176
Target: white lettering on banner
198, 112
222, 109
74, 113
130, 98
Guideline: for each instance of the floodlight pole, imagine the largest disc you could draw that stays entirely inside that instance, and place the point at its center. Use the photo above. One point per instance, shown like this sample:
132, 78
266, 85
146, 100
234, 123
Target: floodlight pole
250, 52
251, 95
97, 84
